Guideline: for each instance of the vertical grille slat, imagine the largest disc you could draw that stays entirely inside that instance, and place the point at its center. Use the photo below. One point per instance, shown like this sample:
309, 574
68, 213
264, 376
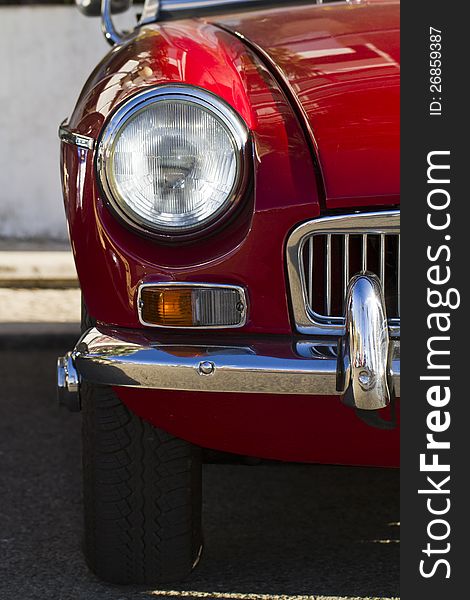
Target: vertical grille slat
364, 252
399, 276
310, 270
331, 259
325, 253
382, 259
345, 267
328, 258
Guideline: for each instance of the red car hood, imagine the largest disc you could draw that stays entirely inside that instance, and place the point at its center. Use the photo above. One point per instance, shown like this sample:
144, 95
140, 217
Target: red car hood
341, 64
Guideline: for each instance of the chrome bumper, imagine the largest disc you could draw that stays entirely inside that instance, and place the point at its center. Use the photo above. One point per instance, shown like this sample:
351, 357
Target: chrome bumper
131, 359
363, 366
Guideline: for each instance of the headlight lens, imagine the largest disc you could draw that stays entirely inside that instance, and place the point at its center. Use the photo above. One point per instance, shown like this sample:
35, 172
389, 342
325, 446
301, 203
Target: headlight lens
172, 160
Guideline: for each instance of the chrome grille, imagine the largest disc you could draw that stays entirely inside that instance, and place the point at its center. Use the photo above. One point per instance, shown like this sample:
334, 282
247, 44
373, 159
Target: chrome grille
324, 254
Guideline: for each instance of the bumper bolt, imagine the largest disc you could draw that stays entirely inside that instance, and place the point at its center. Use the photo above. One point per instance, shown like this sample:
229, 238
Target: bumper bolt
206, 368
364, 379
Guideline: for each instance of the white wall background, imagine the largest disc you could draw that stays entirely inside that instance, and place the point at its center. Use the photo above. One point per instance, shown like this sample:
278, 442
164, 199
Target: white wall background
46, 55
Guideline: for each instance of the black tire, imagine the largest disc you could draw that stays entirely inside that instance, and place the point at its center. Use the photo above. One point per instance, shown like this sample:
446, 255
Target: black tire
141, 494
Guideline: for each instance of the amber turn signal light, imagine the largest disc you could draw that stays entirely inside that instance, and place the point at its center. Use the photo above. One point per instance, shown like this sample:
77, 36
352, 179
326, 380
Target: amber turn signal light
170, 307
192, 305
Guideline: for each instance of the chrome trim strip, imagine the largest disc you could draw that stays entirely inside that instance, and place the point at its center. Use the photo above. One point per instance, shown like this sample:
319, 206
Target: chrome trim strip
241, 293
378, 223
220, 109
77, 139
129, 358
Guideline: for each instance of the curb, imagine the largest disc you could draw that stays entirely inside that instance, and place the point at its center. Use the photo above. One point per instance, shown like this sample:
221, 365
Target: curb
41, 269
39, 283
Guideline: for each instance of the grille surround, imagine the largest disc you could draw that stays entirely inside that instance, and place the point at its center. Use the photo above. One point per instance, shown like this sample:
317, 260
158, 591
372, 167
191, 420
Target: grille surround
308, 321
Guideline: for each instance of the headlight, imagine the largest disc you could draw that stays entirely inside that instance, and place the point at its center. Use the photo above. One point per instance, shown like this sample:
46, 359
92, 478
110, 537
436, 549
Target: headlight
173, 160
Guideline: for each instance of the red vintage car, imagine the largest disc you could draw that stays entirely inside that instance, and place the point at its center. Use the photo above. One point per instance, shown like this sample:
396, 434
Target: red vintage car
231, 184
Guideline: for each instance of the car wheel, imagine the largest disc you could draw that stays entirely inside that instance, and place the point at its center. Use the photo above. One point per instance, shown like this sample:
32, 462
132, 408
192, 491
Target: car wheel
141, 494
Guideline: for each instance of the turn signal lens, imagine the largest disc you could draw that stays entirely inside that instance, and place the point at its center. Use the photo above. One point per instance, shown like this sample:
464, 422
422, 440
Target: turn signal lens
192, 306
167, 307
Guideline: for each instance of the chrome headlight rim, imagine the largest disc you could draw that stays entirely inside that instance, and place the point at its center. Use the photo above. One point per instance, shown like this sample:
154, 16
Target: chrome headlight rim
220, 109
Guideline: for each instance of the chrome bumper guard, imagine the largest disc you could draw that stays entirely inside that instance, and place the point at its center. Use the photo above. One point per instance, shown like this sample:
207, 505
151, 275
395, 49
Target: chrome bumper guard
364, 367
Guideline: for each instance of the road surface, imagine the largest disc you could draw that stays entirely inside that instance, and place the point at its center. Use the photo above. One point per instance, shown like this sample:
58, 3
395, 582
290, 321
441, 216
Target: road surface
274, 531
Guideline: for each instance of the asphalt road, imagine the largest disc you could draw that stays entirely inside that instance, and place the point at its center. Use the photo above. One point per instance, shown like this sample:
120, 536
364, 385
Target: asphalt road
277, 531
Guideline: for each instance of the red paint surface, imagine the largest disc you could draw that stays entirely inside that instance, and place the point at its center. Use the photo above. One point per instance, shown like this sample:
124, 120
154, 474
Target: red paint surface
343, 63
351, 102
111, 261
291, 428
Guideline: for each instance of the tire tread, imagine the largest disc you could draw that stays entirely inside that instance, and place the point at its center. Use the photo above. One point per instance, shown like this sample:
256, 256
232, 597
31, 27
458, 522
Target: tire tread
142, 495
